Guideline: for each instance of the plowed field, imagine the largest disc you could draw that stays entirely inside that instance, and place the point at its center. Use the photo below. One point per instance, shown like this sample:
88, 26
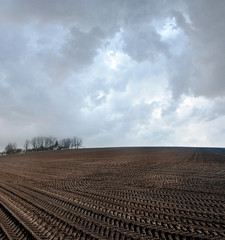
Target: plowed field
117, 193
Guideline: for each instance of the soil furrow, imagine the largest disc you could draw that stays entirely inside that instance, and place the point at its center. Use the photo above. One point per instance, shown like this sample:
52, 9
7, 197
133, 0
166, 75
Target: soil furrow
117, 194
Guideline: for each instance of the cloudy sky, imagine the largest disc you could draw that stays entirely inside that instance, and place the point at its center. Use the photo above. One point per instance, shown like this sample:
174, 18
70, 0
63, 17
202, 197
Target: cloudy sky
116, 73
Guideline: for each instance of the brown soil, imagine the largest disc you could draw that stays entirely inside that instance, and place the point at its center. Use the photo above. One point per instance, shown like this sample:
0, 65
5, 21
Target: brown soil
117, 193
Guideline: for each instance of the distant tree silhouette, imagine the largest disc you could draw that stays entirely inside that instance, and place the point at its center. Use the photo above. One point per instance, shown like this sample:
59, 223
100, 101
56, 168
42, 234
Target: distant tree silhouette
45, 143
26, 145
10, 148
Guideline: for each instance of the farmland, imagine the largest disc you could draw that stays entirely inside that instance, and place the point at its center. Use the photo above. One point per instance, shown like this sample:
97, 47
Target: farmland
114, 193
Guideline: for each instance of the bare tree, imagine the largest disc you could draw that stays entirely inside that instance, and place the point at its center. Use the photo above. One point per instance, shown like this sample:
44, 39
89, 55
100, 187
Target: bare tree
40, 142
14, 146
79, 142
76, 142
46, 143
66, 142
34, 142
26, 145
52, 140
49, 141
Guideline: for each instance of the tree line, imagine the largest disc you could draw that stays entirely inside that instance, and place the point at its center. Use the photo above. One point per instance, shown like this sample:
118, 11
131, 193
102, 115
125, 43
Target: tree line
44, 144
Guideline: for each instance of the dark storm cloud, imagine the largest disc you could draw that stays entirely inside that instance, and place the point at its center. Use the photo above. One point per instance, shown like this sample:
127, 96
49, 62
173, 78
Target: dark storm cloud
92, 21
207, 43
81, 47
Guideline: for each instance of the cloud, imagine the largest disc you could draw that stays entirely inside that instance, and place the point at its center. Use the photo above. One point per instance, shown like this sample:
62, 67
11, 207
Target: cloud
112, 72
81, 48
206, 39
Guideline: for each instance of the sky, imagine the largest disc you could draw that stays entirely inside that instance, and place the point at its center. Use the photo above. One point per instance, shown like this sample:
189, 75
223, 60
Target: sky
115, 73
